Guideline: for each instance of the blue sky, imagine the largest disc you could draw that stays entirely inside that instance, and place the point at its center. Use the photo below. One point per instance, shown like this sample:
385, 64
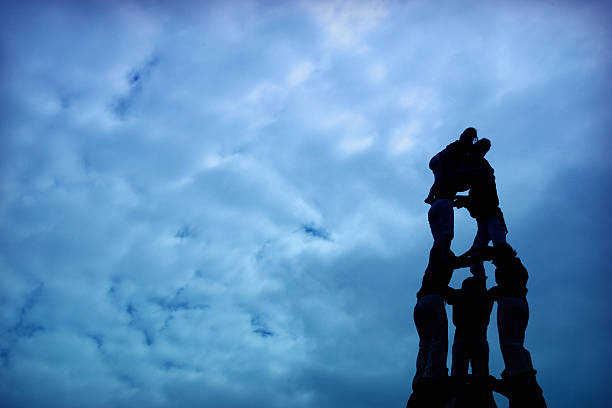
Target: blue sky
221, 204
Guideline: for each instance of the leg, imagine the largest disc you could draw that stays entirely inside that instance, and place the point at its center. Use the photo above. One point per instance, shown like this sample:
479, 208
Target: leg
459, 367
481, 239
432, 327
442, 222
436, 367
512, 318
524, 391
429, 385
479, 357
496, 230
421, 322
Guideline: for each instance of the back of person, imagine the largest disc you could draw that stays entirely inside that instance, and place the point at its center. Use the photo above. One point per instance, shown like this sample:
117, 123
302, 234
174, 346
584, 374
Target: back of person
510, 274
483, 198
445, 165
472, 310
438, 272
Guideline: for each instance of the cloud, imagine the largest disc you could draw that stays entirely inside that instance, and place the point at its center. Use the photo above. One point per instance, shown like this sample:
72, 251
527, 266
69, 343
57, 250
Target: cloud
316, 232
346, 22
350, 146
300, 73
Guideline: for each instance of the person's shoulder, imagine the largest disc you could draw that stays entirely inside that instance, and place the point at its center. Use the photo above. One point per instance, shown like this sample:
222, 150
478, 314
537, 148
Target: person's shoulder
486, 163
453, 146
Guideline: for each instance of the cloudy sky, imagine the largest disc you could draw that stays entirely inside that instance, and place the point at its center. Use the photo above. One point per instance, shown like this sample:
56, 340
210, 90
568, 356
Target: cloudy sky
220, 204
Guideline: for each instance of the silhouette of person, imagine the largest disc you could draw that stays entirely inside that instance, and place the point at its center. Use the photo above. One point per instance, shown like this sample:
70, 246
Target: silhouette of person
446, 184
482, 203
472, 306
432, 327
430, 385
518, 378
445, 163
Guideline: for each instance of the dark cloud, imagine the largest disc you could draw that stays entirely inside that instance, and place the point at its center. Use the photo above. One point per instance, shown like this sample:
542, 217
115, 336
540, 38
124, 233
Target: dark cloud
315, 232
260, 328
186, 231
136, 78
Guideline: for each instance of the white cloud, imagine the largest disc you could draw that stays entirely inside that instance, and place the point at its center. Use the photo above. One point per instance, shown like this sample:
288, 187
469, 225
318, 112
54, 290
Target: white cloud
352, 145
346, 22
300, 73
405, 138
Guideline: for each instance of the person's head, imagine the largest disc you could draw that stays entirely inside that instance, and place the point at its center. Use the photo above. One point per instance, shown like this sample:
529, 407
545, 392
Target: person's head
468, 136
473, 285
511, 272
502, 254
481, 147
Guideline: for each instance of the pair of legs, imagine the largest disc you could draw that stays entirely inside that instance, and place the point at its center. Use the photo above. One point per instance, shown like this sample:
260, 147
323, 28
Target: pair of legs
474, 352
432, 326
441, 219
512, 318
489, 229
466, 351
519, 375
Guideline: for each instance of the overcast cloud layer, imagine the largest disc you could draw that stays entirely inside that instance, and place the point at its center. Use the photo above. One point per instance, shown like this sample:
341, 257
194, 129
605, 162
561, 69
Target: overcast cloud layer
221, 205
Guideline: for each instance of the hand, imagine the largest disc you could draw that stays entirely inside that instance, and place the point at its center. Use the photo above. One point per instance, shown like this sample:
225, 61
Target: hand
460, 201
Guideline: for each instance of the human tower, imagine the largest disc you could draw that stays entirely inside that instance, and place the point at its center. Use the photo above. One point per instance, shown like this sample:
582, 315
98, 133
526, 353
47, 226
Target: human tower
462, 166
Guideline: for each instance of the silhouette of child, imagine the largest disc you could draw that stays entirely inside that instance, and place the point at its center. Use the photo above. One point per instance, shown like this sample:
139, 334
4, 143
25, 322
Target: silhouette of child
472, 306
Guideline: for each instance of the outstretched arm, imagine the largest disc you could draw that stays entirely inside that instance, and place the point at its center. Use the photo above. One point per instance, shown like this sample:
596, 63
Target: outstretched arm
463, 261
474, 255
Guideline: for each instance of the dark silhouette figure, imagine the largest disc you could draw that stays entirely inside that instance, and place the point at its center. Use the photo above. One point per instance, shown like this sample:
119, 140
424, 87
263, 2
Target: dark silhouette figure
472, 306
445, 164
432, 327
431, 385
518, 381
482, 202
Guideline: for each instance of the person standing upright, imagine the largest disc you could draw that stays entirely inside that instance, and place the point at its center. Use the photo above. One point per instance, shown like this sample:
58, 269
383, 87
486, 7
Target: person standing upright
518, 381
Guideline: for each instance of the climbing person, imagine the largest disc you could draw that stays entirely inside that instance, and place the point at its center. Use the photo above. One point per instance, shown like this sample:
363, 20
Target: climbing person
445, 163
446, 184
482, 203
